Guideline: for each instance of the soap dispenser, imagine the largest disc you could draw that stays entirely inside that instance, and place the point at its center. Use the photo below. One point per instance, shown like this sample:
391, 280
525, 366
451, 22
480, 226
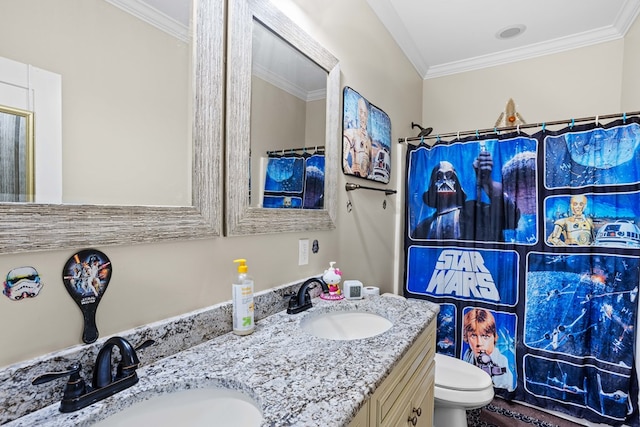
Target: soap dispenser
243, 321
332, 277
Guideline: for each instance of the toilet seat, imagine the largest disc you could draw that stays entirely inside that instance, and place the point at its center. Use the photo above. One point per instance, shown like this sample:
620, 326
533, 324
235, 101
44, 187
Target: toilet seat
459, 386
456, 374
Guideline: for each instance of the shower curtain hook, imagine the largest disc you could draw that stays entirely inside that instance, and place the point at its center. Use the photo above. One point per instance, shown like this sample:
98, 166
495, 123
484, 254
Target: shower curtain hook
496, 131
477, 134
458, 137
544, 125
624, 118
422, 140
438, 139
518, 128
597, 117
573, 122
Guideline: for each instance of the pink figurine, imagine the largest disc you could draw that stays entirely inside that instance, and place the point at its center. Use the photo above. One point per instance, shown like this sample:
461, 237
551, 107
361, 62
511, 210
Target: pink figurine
332, 277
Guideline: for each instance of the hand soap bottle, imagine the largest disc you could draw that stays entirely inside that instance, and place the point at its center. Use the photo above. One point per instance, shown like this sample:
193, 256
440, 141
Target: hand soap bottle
243, 323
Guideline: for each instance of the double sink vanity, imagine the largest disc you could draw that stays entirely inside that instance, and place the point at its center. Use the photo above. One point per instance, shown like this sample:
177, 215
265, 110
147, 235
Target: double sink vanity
357, 363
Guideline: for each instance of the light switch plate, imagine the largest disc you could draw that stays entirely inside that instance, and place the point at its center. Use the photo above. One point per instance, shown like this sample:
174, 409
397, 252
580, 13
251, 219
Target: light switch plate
303, 252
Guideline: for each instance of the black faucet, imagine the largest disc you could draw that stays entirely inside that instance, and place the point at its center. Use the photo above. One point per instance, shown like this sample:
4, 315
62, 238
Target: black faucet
77, 394
302, 301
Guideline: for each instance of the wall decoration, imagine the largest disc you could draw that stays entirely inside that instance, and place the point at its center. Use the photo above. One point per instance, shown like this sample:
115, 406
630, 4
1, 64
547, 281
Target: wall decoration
366, 139
531, 246
21, 283
17, 169
86, 276
509, 117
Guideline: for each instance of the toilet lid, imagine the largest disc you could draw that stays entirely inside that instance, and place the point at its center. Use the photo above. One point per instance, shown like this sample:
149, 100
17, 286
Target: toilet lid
457, 374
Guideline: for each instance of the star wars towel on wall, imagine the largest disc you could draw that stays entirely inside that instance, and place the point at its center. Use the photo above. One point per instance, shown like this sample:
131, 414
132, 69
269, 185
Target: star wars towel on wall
530, 245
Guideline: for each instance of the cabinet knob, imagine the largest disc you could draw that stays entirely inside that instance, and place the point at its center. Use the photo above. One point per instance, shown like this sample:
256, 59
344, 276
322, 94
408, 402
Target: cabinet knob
418, 411
413, 420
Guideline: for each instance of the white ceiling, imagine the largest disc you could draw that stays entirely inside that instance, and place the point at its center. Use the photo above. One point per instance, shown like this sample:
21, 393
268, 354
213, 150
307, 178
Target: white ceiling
442, 37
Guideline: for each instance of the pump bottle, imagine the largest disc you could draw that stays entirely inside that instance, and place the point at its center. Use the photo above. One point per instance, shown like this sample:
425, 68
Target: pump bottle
242, 290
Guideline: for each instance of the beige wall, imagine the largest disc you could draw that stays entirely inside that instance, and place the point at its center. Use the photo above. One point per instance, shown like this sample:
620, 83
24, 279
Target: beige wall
631, 69
579, 83
373, 65
155, 281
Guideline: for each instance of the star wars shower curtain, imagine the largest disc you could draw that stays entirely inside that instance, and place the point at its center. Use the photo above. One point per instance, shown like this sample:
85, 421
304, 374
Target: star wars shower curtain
530, 244
294, 181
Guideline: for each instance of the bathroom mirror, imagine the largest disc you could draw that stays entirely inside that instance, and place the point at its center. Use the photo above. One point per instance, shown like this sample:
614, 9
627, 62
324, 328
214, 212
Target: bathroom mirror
287, 160
246, 18
37, 226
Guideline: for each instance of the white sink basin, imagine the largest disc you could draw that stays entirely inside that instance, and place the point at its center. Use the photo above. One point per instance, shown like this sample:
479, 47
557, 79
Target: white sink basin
194, 407
345, 325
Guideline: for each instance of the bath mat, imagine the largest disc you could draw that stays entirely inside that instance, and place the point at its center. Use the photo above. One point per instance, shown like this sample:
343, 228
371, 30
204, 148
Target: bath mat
500, 413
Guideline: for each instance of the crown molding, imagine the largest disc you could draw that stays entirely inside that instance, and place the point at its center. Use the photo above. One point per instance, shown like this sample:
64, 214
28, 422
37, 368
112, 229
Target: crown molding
526, 52
287, 85
384, 8
154, 17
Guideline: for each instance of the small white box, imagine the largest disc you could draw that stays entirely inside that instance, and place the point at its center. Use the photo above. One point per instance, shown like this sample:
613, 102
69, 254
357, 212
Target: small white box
353, 289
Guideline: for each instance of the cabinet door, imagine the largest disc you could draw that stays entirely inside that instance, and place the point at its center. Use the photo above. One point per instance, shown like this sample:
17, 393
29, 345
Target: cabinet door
362, 417
415, 407
421, 411
408, 387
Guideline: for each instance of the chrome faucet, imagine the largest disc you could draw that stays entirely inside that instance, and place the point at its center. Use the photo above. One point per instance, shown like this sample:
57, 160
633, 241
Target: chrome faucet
302, 300
77, 394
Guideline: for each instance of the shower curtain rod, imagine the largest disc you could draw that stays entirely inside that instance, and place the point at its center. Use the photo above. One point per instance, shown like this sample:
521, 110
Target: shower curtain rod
314, 149
517, 128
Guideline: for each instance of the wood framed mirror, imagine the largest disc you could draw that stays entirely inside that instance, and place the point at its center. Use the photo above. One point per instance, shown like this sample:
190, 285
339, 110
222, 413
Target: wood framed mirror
246, 18
38, 226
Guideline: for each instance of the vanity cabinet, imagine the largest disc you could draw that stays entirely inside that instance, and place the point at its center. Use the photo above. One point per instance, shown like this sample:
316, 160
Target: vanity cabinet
405, 398
362, 417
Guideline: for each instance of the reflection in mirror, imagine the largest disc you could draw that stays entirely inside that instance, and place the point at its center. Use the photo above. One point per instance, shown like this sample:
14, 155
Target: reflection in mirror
256, 122
16, 155
287, 160
125, 95
113, 132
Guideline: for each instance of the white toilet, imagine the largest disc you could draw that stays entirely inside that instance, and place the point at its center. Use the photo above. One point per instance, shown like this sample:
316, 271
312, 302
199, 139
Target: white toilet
459, 386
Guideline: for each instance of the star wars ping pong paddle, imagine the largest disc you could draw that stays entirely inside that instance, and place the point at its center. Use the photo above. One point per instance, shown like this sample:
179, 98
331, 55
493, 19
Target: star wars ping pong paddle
86, 276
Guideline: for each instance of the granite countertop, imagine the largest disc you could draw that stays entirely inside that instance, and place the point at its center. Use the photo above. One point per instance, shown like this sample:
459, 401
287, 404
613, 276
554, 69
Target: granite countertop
295, 378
